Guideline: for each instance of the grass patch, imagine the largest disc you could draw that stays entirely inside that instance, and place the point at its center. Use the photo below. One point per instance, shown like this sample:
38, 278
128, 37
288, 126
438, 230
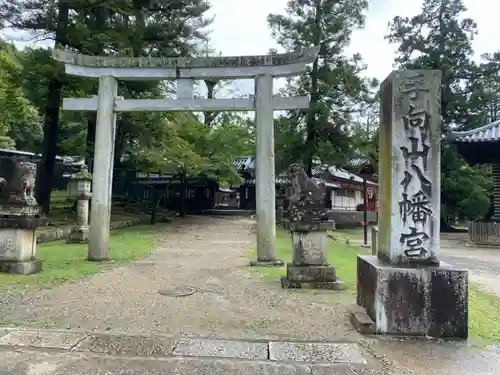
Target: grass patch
484, 307
63, 217
484, 313
67, 262
352, 234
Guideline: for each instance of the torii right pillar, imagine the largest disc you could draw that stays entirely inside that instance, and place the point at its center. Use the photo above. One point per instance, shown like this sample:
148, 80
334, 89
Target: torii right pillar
405, 289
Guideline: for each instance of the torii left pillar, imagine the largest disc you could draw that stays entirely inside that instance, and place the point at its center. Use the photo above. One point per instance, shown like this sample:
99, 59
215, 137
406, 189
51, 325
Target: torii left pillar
102, 181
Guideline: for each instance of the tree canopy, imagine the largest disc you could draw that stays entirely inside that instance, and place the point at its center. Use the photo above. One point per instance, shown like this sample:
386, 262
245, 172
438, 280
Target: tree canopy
20, 123
340, 126
440, 37
334, 82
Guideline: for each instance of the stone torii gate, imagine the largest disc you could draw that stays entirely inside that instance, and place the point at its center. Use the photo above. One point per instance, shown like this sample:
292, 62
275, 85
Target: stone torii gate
261, 68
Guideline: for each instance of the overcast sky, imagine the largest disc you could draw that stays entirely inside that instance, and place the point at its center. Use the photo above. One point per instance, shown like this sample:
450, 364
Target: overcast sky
240, 28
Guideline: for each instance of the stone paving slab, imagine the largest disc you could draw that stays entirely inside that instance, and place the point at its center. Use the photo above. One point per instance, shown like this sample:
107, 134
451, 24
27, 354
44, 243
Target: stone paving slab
42, 339
36, 362
220, 348
4, 331
160, 346
316, 352
127, 345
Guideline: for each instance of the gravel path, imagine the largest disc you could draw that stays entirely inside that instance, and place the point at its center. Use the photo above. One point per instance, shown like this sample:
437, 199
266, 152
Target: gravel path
209, 254
483, 263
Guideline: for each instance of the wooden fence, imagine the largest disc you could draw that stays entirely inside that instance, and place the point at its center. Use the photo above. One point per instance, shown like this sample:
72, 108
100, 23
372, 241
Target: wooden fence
484, 232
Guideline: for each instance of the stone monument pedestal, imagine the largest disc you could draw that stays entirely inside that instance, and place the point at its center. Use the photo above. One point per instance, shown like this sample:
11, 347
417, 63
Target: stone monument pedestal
421, 301
309, 268
18, 244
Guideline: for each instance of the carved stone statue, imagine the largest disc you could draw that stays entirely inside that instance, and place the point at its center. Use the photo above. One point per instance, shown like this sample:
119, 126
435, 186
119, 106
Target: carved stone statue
16, 197
19, 190
307, 196
19, 219
308, 227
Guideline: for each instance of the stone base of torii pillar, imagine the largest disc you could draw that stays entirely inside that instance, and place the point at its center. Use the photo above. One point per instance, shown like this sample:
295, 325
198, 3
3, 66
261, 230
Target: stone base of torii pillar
405, 289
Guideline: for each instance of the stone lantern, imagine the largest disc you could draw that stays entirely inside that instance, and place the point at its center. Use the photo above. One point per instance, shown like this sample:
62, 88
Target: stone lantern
82, 181
20, 216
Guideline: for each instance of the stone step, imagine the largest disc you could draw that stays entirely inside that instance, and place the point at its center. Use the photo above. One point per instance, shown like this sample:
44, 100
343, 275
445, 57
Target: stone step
66, 352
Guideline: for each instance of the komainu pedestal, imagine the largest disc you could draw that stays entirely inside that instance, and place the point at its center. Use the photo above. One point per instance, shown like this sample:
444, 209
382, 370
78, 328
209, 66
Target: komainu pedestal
19, 219
308, 226
405, 289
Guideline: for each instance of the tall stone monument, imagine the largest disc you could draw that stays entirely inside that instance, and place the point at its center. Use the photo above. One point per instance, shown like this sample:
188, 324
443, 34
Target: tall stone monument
19, 219
308, 226
405, 289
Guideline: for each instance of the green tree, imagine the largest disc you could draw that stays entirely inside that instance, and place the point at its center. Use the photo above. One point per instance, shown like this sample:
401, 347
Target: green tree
20, 125
124, 27
334, 82
38, 70
440, 37
484, 92
187, 147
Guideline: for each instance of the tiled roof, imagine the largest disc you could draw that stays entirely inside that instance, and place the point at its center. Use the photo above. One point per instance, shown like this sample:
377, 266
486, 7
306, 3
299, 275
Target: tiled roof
487, 133
248, 163
285, 181
357, 161
245, 163
329, 184
339, 173
277, 180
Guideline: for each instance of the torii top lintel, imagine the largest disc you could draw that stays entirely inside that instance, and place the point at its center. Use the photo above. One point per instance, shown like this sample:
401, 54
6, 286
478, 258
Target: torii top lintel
144, 68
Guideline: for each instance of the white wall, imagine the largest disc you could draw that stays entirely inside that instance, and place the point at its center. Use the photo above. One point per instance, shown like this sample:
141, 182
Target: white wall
346, 199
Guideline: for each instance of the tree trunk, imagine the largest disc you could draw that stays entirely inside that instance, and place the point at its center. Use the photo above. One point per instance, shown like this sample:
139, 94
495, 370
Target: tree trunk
209, 117
119, 144
445, 227
311, 140
45, 175
182, 211
89, 142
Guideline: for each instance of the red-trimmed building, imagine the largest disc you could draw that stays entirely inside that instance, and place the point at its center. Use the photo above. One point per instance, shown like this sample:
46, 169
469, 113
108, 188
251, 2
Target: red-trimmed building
349, 194
344, 189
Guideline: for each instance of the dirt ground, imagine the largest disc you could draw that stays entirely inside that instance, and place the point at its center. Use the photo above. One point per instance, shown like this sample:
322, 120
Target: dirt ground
209, 254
